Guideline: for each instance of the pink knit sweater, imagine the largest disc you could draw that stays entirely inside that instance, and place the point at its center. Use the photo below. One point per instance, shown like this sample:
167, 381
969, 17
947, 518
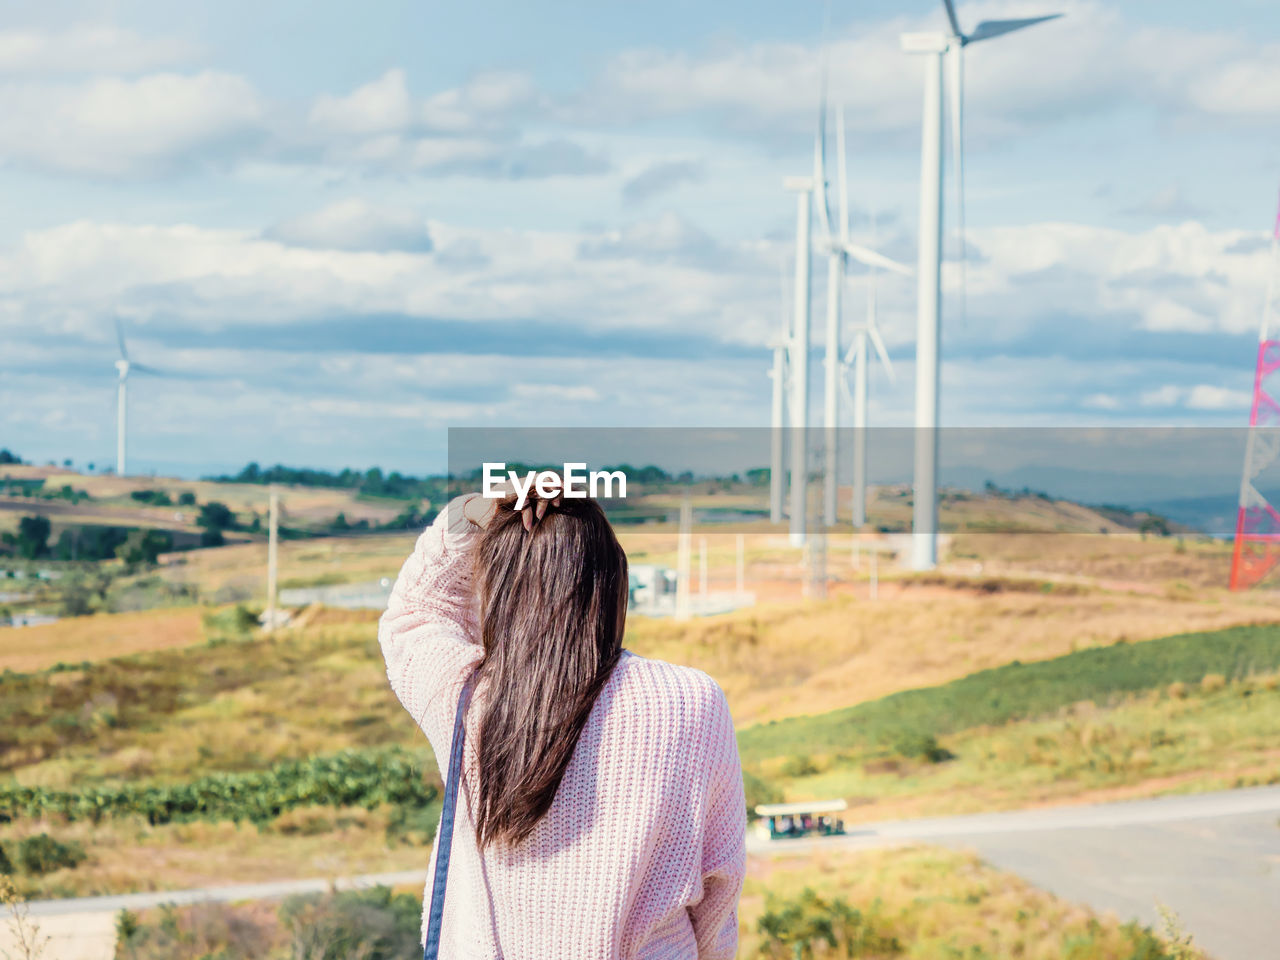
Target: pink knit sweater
642, 853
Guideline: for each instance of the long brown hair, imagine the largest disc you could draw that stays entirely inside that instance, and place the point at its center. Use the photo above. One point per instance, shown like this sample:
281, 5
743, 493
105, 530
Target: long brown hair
553, 605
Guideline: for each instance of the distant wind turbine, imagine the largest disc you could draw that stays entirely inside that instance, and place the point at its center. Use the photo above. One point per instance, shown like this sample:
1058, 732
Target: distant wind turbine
840, 250
867, 337
124, 366
778, 407
936, 47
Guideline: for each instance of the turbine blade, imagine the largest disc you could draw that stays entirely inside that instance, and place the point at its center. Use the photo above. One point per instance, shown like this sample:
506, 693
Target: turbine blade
820, 186
152, 371
820, 160
846, 392
874, 333
870, 258
955, 60
124, 353
951, 16
998, 28
842, 177
852, 353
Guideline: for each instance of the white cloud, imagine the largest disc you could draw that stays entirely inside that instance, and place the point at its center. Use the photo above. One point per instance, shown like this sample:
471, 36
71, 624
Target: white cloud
481, 101
464, 130
541, 392
354, 225
380, 106
87, 48
1207, 397
1184, 277
1204, 396
1090, 61
1166, 396
1101, 401
1248, 85
112, 127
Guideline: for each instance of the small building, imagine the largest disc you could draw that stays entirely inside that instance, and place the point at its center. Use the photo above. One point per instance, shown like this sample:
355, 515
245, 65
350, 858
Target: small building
650, 587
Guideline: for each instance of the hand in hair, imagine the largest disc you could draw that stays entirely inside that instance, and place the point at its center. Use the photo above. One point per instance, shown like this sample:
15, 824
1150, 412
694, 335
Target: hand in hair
480, 510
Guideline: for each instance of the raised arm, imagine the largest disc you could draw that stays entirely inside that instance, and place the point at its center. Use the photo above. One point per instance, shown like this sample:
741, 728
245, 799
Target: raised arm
724, 844
429, 635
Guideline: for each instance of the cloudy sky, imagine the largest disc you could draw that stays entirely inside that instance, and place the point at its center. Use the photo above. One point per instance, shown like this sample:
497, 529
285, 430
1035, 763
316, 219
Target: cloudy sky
340, 229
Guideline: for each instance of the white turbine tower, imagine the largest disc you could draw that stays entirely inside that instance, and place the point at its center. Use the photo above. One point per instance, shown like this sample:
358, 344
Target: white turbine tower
867, 337
798, 350
123, 368
778, 408
934, 47
840, 250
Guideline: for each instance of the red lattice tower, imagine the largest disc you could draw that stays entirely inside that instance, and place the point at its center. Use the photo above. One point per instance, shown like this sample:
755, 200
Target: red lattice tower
1257, 549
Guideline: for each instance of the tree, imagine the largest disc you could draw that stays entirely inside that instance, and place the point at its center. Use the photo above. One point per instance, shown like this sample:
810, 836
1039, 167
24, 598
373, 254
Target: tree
216, 516
186, 499
143, 547
33, 537
7, 457
75, 598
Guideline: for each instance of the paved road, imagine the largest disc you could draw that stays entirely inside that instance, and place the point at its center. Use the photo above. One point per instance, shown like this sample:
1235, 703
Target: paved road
1214, 858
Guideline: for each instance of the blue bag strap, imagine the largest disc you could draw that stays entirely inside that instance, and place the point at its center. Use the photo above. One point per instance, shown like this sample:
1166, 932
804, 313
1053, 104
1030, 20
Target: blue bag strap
431, 948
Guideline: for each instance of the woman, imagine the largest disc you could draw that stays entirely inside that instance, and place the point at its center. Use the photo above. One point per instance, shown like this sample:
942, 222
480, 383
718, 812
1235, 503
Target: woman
600, 813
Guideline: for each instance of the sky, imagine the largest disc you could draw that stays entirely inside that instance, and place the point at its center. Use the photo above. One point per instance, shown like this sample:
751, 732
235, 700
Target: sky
337, 230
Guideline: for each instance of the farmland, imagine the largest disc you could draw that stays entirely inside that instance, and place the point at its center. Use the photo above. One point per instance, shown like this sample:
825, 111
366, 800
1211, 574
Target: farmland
165, 741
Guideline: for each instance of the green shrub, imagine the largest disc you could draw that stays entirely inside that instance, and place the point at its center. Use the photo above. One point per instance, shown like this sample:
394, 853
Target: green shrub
351, 778
413, 825
371, 924
801, 765
6, 865
922, 746
205, 931
811, 926
229, 624
43, 854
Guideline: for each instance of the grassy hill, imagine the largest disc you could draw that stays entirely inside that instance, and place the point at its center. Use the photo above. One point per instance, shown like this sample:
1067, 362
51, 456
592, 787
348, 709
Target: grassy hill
110, 501
138, 740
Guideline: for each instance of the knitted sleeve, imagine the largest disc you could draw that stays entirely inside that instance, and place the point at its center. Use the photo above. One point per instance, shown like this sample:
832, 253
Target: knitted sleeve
724, 851
429, 633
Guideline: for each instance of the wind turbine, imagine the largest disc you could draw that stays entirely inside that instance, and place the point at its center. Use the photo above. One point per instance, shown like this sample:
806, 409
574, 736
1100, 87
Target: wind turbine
840, 250
798, 350
124, 366
868, 336
778, 435
935, 47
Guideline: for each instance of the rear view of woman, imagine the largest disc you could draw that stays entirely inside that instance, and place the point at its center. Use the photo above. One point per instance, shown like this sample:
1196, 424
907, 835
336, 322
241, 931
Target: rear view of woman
600, 809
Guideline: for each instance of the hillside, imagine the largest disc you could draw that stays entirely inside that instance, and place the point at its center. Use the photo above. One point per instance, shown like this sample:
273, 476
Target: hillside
110, 501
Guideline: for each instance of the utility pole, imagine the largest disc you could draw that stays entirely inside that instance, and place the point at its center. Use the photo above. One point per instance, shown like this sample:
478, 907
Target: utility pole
273, 522
742, 566
684, 559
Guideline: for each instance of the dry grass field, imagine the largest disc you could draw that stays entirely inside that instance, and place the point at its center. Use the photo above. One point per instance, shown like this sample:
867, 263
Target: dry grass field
1185, 738
111, 501
782, 660
916, 903
102, 636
